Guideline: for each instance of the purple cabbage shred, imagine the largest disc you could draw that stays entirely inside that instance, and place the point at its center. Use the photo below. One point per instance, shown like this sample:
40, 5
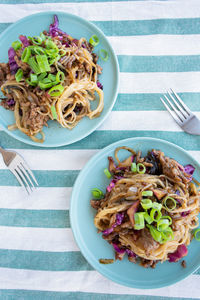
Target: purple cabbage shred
10, 102
118, 221
11, 59
24, 40
54, 30
185, 213
100, 86
130, 253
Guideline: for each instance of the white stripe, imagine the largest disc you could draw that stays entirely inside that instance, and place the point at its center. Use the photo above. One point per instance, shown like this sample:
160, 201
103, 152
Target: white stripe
88, 281
43, 198
160, 44
54, 159
159, 82
135, 10
37, 239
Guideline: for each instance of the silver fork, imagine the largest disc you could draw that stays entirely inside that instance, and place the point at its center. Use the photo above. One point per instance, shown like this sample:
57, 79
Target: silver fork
183, 116
19, 168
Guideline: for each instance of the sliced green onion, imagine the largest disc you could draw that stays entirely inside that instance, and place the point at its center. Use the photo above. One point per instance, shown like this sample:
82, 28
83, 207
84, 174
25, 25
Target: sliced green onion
141, 169
30, 83
168, 234
153, 215
45, 85
60, 76
56, 90
155, 233
54, 113
133, 167
51, 52
33, 65
146, 203
62, 52
19, 75
34, 78
26, 54
94, 40
97, 193
43, 36
16, 45
36, 40
52, 77
43, 63
147, 193
169, 203
168, 218
139, 220
42, 76
107, 173
162, 224
58, 57
103, 54
38, 50
197, 234
52, 60
49, 44
157, 205
147, 218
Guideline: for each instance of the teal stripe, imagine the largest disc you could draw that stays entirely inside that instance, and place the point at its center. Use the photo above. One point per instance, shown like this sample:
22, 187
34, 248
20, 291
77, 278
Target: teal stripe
104, 138
42, 295
43, 261
144, 27
173, 63
34, 218
151, 101
44, 178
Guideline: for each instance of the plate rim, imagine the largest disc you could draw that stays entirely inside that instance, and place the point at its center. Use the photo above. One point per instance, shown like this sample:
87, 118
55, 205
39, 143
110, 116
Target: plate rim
115, 94
74, 225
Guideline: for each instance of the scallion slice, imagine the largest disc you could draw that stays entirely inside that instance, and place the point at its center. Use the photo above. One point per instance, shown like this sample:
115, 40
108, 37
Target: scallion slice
146, 203
42, 76
52, 77
162, 224
43, 63
62, 52
16, 45
36, 40
157, 205
107, 173
147, 193
103, 54
133, 168
26, 55
19, 75
54, 113
38, 50
141, 169
94, 40
155, 214
33, 65
155, 233
45, 85
97, 193
139, 221
49, 44
197, 234
147, 218
169, 203
56, 90
167, 218
60, 76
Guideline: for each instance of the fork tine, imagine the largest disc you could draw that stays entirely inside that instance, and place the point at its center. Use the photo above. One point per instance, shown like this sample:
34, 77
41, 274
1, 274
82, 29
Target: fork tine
19, 179
174, 108
27, 175
183, 112
171, 112
21, 174
25, 166
188, 111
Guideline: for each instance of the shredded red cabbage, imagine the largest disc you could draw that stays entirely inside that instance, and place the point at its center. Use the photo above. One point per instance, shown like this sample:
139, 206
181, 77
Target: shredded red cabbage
185, 213
189, 169
178, 254
118, 221
100, 86
130, 253
11, 59
24, 40
10, 102
118, 250
54, 30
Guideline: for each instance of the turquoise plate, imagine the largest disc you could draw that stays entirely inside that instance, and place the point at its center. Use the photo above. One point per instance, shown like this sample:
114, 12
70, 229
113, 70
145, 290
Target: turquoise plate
76, 27
91, 243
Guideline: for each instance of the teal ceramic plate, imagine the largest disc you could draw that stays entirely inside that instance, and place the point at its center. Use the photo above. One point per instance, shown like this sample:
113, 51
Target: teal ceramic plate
91, 243
76, 27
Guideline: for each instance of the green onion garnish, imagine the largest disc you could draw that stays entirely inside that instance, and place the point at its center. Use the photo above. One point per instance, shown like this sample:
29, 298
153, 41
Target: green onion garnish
36, 40
155, 214
16, 45
133, 167
38, 50
62, 52
60, 76
157, 205
139, 220
33, 65
107, 173
197, 234
43, 63
141, 169
168, 218
56, 90
54, 113
52, 77
161, 237
51, 52
147, 218
146, 203
169, 203
50, 44
26, 55
162, 224
155, 233
147, 193
42, 76
97, 193
33, 78
94, 40
19, 75
43, 36
103, 54
45, 85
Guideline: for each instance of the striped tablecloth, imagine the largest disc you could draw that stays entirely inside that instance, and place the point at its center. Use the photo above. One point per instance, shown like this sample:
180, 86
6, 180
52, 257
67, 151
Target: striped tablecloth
158, 46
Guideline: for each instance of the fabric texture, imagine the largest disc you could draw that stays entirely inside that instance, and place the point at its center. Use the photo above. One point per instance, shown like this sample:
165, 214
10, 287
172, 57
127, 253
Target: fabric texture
158, 47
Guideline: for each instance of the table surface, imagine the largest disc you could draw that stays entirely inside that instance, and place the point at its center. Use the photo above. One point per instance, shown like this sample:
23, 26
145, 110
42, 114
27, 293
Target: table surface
158, 46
